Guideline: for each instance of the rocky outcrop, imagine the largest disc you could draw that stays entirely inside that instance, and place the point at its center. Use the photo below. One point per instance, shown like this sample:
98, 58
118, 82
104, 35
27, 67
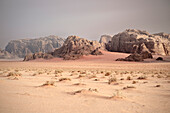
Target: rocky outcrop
6, 55
23, 47
37, 56
75, 47
137, 41
137, 57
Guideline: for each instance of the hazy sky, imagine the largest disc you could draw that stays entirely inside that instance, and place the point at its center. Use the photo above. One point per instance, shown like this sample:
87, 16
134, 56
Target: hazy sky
86, 18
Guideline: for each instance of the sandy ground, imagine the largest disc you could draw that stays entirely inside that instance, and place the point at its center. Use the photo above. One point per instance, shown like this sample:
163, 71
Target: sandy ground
93, 84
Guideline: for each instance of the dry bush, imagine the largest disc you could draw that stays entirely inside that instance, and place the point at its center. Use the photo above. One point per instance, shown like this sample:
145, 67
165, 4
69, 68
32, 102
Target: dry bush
129, 78
107, 73
102, 72
122, 79
58, 71
112, 80
83, 72
58, 75
81, 75
93, 90
13, 74
116, 95
96, 79
142, 77
159, 76
127, 87
158, 86
64, 79
48, 83
34, 74
134, 82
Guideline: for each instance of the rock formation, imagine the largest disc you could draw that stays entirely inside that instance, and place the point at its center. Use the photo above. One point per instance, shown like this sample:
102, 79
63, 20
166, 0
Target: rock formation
137, 41
75, 47
105, 39
23, 47
6, 55
136, 57
37, 56
105, 42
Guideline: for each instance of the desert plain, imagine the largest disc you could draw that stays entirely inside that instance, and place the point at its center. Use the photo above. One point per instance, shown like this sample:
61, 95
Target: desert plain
92, 84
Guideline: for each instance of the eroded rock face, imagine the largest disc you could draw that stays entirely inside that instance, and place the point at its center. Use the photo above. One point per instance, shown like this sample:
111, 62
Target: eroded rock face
23, 47
6, 55
137, 41
37, 56
75, 47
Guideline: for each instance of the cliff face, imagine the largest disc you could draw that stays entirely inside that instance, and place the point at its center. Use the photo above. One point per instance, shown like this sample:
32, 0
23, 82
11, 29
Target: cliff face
137, 41
23, 47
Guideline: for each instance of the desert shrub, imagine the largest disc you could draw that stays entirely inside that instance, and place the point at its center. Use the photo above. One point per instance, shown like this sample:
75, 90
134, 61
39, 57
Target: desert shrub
48, 83
64, 79
127, 87
107, 73
142, 77
112, 80
134, 82
58, 71
14, 74
129, 78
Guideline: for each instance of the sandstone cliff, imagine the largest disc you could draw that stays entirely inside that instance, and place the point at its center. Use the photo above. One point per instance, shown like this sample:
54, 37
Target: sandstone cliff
23, 47
137, 41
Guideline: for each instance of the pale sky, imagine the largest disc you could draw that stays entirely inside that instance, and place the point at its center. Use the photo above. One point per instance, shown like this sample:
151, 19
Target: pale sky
86, 18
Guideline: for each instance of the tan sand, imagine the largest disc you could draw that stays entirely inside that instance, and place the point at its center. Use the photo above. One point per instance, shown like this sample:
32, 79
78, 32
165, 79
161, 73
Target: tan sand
81, 86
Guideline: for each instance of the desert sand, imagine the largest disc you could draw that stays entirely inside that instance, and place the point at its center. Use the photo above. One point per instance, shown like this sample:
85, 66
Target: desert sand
92, 84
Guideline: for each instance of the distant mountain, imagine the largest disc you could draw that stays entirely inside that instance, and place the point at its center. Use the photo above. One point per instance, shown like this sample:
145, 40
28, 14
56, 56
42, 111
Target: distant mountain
73, 48
22, 47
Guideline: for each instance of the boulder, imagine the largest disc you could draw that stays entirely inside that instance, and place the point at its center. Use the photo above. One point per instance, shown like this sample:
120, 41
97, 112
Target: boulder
75, 47
22, 47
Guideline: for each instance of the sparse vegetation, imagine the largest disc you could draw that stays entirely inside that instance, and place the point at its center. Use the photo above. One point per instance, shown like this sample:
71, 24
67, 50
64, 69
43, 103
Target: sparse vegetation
142, 77
13, 74
112, 80
107, 73
127, 87
129, 78
64, 79
48, 83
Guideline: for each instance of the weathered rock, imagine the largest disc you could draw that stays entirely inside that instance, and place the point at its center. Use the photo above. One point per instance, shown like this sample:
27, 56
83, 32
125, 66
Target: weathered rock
75, 47
37, 56
132, 57
6, 55
136, 41
23, 47
136, 57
